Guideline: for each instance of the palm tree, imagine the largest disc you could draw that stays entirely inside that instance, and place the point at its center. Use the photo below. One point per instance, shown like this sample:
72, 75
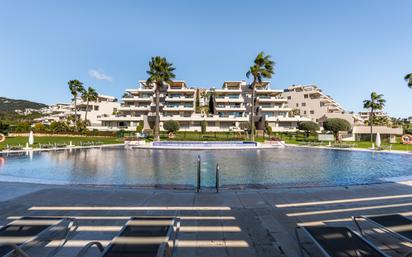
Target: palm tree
263, 67
89, 95
75, 87
160, 75
376, 102
408, 78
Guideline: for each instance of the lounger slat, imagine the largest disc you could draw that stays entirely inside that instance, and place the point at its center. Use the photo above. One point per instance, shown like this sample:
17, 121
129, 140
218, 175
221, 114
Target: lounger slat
342, 242
396, 223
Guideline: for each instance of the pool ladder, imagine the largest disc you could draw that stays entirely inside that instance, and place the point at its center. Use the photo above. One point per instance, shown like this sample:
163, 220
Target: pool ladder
199, 177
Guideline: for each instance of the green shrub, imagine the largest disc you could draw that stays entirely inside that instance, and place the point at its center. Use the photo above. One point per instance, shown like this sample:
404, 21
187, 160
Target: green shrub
269, 130
335, 125
171, 126
139, 128
4, 128
39, 127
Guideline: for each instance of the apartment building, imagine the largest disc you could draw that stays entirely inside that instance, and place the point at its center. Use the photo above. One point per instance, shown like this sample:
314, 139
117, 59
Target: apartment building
311, 102
103, 106
55, 112
365, 116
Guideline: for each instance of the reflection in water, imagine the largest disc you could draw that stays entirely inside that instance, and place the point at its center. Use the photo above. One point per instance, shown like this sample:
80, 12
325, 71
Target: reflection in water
178, 167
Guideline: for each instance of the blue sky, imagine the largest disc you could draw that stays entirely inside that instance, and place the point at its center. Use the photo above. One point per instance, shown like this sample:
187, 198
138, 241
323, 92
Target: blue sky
348, 48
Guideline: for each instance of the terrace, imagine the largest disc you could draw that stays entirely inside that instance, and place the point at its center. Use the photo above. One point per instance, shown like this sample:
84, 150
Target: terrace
231, 223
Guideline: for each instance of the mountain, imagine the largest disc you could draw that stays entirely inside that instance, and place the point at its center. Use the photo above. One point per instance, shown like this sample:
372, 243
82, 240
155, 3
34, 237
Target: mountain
8, 105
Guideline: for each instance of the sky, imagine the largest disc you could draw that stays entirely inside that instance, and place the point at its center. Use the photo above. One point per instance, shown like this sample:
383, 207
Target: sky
348, 48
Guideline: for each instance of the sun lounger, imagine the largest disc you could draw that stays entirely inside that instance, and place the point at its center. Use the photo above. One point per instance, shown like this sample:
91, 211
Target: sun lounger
29, 235
395, 225
337, 242
142, 237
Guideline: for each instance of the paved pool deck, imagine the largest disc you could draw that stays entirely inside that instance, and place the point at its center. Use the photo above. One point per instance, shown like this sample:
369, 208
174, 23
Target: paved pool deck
230, 223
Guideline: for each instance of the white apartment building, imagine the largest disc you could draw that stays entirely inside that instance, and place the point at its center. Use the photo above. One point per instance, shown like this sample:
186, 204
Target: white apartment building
177, 102
365, 116
311, 102
55, 112
103, 106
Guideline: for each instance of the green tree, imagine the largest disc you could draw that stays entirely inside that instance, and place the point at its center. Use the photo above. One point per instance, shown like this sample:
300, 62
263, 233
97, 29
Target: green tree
89, 95
59, 126
376, 102
197, 103
139, 128
335, 125
308, 127
4, 128
76, 88
39, 127
408, 78
212, 103
160, 75
263, 67
171, 126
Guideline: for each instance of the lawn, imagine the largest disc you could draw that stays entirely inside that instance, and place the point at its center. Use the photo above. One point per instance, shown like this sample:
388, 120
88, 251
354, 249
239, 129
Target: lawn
15, 141
208, 136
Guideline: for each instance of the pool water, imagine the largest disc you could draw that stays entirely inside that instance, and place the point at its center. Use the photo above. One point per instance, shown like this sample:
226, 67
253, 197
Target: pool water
144, 167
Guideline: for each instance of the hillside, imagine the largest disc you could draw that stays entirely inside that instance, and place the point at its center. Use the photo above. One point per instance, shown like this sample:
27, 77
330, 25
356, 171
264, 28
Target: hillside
8, 105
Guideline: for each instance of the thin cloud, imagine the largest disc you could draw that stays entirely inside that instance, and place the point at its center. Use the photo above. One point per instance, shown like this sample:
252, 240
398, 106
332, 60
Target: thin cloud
99, 75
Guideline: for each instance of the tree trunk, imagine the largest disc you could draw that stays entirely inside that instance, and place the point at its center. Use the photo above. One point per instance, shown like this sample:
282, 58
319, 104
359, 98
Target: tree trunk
87, 109
252, 112
371, 124
75, 112
157, 122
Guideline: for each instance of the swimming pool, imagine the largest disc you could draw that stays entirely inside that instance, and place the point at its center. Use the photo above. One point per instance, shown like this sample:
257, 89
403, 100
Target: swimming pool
145, 167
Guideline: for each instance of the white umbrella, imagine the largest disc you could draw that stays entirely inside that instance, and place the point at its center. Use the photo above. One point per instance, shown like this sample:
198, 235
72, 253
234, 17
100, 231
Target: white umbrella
378, 140
31, 138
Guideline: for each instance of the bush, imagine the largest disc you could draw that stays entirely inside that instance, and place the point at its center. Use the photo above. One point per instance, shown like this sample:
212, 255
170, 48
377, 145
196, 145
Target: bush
22, 127
203, 126
308, 127
244, 126
4, 128
335, 125
59, 126
171, 126
139, 128
39, 127
269, 130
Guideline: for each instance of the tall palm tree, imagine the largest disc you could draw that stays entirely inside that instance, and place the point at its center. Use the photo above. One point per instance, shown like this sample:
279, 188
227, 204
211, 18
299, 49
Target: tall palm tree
376, 102
408, 78
160, 75
89, 95
263, 67
76, 88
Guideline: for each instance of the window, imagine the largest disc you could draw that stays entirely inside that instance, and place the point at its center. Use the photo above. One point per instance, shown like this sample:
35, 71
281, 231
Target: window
304, 112
303, 104
297, 105
322, 104
305, 95
312, 112
289, 97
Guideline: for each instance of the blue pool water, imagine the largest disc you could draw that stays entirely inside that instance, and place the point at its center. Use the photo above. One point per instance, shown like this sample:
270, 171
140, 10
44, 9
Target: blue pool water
141, 167
205, 144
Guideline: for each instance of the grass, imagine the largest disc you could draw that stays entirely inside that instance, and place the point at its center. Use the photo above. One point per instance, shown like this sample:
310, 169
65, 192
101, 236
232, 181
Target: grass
208, 136
359, 144
14, 141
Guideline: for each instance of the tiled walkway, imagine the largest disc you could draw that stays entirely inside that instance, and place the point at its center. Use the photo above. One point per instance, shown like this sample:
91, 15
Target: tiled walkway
230, 223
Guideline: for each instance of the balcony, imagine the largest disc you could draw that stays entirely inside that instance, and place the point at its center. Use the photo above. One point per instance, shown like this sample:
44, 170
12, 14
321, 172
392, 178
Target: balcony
134, 108
275, 108
180, 89
138, 99
178, 108
229, 99
229, 108
271, 99
180, 99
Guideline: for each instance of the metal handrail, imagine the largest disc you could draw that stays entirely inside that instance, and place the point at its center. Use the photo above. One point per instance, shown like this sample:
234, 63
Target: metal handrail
217, 178
198, 174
